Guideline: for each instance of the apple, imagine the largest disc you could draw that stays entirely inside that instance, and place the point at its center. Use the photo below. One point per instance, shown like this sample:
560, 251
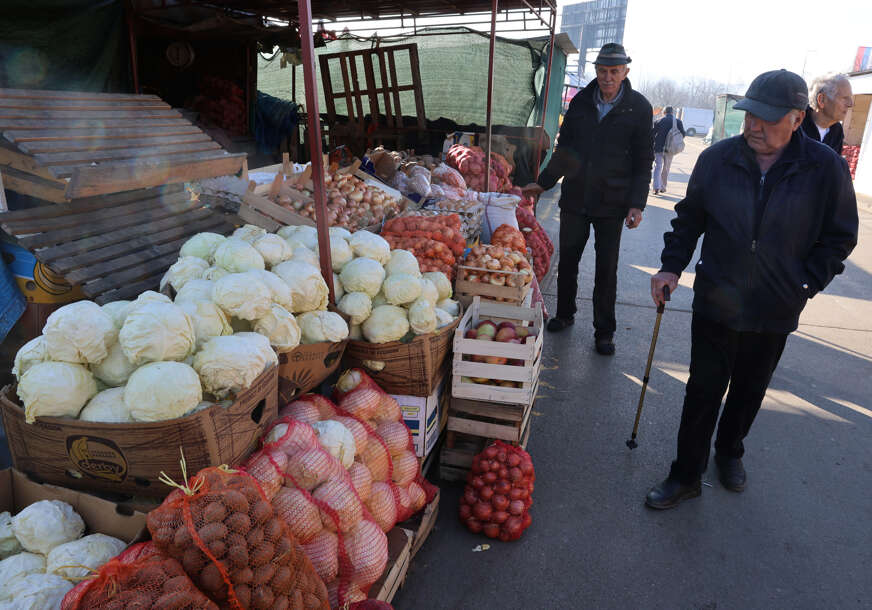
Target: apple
507, 384
505, 334
471, 334
486, 327
522, 332
495, 360
479, 380
506, 324
481, 337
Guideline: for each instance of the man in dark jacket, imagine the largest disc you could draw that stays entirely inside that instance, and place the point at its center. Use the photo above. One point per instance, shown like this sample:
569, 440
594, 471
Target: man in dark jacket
663, 157
779, 215
604, 154
830, 99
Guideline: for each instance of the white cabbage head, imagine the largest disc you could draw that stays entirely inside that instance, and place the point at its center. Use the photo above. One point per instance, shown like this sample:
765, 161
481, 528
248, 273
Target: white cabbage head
202, 245
32, 352
91, 552
237, 256
443, 318
79, 332
356, 305
273, 249
429, 291
422, 317
340, 232
452, 307
401, 288
160, 391
249, 233
306, 235
228, 365
17, 566
281, 292
363, 275
308, 288
280, 327
209, 320
337, 440
442, 283
215, 273
155, 332
55, 389
195, 290
338, 288
36, 592
9, 544
242, 295
340, 252
302, 254
115, 369
107, 407
46, 524
182, 271
321, 326
386, 323
117, 310
370, 245
403, 261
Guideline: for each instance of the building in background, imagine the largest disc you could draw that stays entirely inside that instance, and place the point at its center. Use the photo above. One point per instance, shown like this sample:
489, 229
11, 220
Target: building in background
590, 25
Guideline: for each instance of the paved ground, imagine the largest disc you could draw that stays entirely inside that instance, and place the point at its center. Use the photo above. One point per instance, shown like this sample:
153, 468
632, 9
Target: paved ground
799, 537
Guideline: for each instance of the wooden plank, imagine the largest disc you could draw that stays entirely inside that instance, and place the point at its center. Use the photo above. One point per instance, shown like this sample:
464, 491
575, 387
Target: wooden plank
370, 86
67, 170
117, 154
131, 274
27, 164
422, 524
76, 143
253, 217
74, 125
349, 104
3, 206
103, 240
91, 203
96, 228
129, 291
46, 94
399, 555
493, 410
125, 175
356, 92
275, 211
386, 87
214, 223
398, 112
416, 81
140, 131
139, 256
28, 184
18, 113
327, 83
82, 104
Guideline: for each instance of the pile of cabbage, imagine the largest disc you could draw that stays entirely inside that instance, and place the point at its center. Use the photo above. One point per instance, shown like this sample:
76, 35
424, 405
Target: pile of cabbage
43, 554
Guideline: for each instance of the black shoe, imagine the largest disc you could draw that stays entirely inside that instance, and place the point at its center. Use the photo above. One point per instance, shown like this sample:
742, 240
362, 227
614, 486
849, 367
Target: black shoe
605, 346
555, 325
731, 473
670, 493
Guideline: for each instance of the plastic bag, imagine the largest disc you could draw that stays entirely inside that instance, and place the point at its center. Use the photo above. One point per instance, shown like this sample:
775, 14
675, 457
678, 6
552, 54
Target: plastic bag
419, 181
449, 176
233, 545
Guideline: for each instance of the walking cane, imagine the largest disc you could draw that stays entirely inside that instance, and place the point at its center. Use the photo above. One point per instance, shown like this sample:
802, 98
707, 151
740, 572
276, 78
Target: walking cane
632, 442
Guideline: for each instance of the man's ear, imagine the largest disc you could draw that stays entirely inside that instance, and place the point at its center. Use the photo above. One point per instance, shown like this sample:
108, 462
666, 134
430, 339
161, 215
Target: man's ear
799, 119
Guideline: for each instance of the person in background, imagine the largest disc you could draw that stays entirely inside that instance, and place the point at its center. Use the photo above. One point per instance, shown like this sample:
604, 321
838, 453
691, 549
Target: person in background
662, 158
604, 154
830, 98
779, 217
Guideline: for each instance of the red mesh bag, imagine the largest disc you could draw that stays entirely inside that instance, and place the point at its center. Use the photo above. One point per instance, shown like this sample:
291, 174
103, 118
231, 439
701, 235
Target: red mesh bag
140, 577
499, 492
319, 503
234, 547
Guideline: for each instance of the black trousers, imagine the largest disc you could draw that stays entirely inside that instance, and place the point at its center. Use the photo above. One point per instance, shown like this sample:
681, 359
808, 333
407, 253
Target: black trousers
720, 357
574, 232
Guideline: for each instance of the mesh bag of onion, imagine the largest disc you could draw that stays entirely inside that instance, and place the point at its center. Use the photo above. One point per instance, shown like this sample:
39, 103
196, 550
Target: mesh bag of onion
233, 545
314, 495
140, 577
499, 492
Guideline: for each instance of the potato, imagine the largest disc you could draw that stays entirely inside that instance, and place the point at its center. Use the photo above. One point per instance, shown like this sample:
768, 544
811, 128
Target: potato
235, 501
264, 574
262, 598
212, 531
214, 511
243, 595
242, 576
261, 554
211, 579
239, 523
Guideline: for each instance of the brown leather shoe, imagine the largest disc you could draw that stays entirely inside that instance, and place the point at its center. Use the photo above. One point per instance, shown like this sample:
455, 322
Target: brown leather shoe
669, 493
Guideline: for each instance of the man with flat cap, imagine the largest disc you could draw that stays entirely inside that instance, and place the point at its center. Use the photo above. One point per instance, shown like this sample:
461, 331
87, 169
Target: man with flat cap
604, 155
779, 216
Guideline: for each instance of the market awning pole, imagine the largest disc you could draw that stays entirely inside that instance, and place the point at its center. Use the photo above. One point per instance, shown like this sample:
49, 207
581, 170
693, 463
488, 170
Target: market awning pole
539, 141
314, 125
490, 91
131, 32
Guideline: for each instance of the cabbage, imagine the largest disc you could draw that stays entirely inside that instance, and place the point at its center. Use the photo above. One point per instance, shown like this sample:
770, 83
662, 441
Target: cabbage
280, 327
443, 318
403, 261
442, 283
79, 332
249, 233
215, 273
195, 290
370, 245
308, 288
162, 390
155, 332
320, 326
340, 252
356, 305
401, 288
287, 233
363, 275
9, 544
45, 524
429, 291
36, 592
185, 269
117, 310
91, 552
273, 249
107, 407
237, 255
422, 317
380, 299
202, 245
306, 235
386, 323
33, 352
115, 368
209, 320
243, 295
302, 254
452, 307
16, 567
149, 296
337, 440
55, 389
231, 364
340, 232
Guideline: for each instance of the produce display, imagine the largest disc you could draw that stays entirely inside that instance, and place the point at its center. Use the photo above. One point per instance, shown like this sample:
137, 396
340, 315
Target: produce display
436, 241
471, 163
223, 103
499, 492
509, 237
497, 265
43, 554
504, 332
537, 240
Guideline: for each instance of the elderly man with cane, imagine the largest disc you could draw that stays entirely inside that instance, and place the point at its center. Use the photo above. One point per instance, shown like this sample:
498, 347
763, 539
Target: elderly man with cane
779, 217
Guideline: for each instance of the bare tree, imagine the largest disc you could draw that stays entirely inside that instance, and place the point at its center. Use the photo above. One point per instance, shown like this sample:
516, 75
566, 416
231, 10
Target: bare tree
695, 92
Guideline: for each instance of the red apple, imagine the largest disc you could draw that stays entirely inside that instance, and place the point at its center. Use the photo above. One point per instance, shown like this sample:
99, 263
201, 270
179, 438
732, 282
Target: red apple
522, 331
506, 324
505, 334
484, 337
471, 334
494, 360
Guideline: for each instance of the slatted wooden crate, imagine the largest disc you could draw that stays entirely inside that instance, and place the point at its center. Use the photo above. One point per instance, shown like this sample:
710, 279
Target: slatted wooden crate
62, 145
114, 246
455, 458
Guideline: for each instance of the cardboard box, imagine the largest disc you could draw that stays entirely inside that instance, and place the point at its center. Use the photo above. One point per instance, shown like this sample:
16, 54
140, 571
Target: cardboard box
128, 458
306, 366
17, 492
423, 416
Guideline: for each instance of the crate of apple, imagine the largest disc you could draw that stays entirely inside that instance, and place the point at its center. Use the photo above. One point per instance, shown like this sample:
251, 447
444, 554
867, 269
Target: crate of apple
502, 332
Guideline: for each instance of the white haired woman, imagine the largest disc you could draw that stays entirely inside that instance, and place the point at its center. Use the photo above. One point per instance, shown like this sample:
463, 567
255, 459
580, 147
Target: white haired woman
830, 98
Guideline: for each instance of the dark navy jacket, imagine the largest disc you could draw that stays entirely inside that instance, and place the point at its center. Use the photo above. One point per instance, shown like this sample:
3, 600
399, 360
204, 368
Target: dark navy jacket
661, 129
760, 263
835, 137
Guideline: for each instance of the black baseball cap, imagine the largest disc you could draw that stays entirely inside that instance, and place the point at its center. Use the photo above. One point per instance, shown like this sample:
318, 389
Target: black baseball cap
773, 94
612, 54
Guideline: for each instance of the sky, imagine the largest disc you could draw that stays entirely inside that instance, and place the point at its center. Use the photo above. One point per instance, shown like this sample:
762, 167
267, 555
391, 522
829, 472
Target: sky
734, 40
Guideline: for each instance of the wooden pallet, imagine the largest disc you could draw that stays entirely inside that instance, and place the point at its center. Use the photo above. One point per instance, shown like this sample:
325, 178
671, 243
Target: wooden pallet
455, 458
114, 246
63, 145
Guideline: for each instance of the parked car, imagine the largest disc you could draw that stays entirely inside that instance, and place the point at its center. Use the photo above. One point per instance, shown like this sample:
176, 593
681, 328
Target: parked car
696, 120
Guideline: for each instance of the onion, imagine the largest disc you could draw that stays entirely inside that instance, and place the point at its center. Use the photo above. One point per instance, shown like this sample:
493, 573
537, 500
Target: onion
352, 594
298, 512
361, 479
516, 507
367, 549
323, 552
291, 437
358, 431
339, 495
308, 469
377, 459
395, 435
382, 506
406, 467
362, 402
267, 467
304, 411
418, 496
388, 410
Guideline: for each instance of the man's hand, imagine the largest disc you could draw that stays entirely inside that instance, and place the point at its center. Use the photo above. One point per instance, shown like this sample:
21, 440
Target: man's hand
658, 281
634, 218
532, 190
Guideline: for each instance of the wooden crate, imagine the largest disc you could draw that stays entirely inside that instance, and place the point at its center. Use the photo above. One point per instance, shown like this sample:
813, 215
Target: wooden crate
128, 458
114, 246
466, 290
455, 458
62, 145
422, 524
399, 556
493, 420
530, 352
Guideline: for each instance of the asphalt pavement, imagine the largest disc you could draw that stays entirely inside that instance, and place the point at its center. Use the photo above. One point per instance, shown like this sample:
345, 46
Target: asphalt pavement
800, 536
